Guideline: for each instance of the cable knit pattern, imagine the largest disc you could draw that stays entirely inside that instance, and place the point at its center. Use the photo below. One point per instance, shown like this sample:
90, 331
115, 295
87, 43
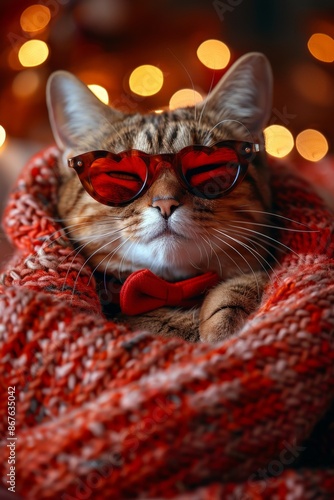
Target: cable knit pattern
106, 413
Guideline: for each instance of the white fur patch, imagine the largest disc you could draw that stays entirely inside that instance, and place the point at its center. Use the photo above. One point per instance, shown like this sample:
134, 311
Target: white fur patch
171, 249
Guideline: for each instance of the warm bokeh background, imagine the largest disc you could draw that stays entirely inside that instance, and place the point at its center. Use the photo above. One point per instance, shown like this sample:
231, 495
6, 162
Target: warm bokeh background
103, 41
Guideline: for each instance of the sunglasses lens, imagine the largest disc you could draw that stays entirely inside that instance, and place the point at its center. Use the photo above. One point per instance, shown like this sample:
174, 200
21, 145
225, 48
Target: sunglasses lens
210, 174
119, 180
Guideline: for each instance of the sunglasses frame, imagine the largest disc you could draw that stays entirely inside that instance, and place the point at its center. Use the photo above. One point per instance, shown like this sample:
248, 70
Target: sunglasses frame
245, 152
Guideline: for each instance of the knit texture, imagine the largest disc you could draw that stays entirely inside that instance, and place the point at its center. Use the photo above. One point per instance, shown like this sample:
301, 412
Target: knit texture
106, 413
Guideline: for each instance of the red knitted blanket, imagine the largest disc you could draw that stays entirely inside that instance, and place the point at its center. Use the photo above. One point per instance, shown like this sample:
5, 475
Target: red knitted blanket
104, 413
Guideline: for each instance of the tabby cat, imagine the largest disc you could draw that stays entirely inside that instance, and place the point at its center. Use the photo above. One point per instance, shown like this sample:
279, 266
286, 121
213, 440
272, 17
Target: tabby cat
193, 216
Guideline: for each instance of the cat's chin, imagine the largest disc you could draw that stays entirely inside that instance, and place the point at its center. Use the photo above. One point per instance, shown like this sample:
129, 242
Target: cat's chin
170, 256
168, 239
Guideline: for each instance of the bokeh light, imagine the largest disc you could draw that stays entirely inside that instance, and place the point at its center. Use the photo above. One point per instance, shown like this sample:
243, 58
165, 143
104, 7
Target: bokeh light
100, 92
214, 54
2, 136
184, 97
33, 53
321, 47
311, 144
146, 80
35, 18
26, 83
279, 140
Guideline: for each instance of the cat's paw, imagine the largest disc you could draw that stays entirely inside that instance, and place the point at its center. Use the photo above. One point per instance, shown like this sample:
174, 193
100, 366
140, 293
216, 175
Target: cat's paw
221, 323
227, 307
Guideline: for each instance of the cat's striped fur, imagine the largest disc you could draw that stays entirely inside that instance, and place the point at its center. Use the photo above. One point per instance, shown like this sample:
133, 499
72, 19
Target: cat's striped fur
226, 235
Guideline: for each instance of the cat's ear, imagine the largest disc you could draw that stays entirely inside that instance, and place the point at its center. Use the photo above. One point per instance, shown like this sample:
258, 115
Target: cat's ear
74, 110
244, 93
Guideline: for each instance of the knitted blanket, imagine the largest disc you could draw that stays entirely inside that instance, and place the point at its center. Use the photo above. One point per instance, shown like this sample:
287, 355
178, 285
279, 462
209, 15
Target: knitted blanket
91, 410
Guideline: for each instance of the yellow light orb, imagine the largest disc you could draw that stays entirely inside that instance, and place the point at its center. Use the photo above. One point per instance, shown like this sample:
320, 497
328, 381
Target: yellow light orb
146, 80
214, 54
2, 136
184, 98
33, 53
35, 18
100, 92
26, 83
321, 47
279, 141
311, 145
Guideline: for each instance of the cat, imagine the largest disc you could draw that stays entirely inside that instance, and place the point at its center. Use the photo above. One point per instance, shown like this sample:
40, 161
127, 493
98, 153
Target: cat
168, 229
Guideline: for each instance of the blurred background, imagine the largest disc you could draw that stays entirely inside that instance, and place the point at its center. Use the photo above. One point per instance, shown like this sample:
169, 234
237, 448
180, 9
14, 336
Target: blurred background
148, 55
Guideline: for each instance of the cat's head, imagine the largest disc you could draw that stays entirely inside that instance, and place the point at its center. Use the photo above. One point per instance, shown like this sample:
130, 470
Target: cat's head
168, 229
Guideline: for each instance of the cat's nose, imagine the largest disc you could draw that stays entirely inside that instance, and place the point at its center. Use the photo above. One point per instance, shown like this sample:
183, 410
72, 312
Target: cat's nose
166, 206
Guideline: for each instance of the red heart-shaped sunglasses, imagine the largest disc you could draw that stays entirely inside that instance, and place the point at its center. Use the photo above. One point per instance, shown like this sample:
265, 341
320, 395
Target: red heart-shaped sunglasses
207, 172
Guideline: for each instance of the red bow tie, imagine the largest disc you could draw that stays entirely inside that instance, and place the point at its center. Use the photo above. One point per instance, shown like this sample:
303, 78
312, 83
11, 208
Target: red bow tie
143, 291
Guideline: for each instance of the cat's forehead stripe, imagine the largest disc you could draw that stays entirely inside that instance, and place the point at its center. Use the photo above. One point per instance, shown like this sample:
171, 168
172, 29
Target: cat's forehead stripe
143, 140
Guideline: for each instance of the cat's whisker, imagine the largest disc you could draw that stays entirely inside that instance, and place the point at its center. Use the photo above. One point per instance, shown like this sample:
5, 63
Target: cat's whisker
129, 248
187, 73
280, 228
254, 239
213, 251
250, 136
73, 229
76, 252
278, 243
236, 264
207, 244
260, 259
278, 216
83, 266
79, 249
200, 250
206, 103
108, 217
275, 243
234, 250
64, 234
91, 239
110, 256
50, 241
